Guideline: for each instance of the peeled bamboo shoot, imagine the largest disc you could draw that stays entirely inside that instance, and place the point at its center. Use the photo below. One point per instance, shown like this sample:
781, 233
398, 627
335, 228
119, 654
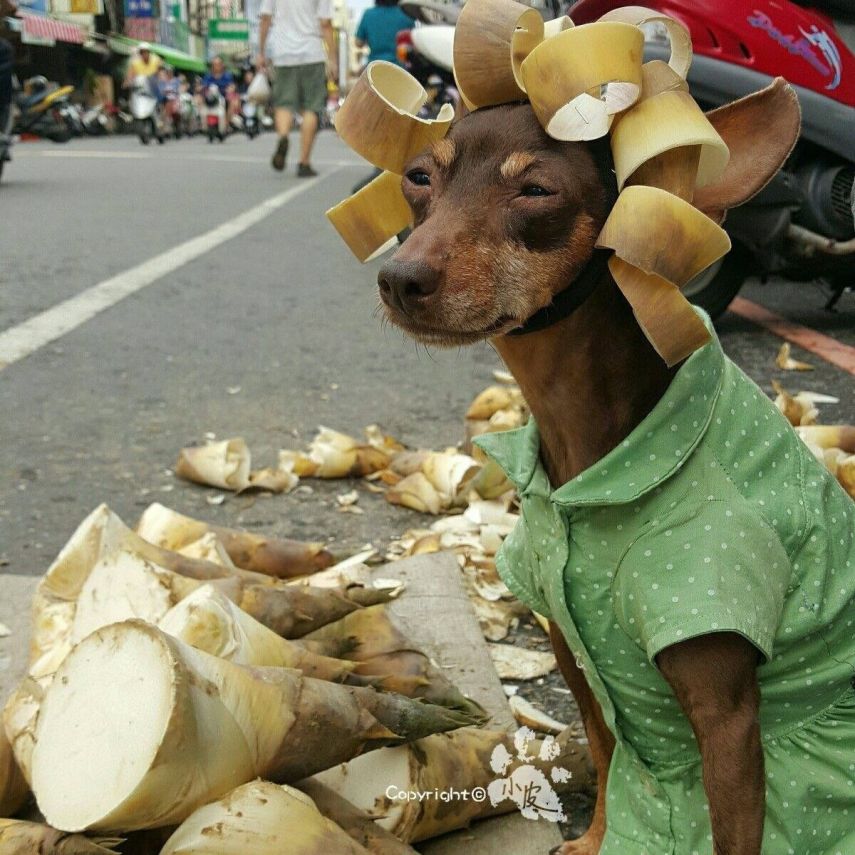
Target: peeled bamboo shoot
159, 728
260, 818
278, 557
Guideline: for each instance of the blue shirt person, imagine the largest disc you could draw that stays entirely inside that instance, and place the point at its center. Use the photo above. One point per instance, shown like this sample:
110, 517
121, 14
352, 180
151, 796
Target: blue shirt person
379, 27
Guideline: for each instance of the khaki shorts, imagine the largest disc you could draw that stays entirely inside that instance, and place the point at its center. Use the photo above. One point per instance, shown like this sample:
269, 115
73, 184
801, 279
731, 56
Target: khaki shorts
301, 87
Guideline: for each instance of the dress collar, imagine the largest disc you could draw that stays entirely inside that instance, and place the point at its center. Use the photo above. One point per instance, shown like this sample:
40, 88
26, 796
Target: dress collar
656, 449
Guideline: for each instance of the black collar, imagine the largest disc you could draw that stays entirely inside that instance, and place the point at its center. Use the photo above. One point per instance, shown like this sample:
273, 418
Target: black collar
567, 301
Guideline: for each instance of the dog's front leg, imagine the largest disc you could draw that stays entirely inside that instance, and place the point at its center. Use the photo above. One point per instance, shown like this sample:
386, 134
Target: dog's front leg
715, 680
600, 741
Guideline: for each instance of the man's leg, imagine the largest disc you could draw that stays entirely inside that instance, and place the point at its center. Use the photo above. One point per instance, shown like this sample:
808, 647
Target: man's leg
284, 97
313, 92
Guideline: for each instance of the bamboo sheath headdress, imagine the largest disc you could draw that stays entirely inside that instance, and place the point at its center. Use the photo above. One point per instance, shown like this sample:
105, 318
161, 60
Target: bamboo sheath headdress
582, 83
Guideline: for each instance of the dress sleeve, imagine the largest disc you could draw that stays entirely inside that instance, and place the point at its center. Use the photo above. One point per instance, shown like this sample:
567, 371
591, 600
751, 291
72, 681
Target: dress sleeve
712, 567
266, 7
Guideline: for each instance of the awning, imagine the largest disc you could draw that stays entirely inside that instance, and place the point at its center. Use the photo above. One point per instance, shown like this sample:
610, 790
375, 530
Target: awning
176, 58
43, 27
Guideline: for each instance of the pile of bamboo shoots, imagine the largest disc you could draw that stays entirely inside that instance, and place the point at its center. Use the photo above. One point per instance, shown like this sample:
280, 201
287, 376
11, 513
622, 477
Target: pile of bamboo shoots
182, 675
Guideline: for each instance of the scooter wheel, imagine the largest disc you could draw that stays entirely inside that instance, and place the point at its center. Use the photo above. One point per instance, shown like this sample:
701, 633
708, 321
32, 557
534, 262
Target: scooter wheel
161, 139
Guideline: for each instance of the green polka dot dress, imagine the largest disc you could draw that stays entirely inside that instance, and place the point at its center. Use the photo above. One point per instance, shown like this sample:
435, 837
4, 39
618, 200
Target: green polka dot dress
711, 516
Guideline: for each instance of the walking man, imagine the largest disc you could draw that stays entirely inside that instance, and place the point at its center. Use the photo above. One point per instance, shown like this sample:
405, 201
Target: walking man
302, 50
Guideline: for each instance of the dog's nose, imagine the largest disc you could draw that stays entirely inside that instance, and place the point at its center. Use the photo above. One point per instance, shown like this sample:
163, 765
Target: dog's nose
405, 283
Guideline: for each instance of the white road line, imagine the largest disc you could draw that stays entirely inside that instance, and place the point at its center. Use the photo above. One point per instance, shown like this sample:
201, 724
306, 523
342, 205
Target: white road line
30, 335
124, 155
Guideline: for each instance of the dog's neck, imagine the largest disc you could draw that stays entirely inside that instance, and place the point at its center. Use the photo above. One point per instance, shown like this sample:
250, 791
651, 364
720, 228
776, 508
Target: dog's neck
588, 379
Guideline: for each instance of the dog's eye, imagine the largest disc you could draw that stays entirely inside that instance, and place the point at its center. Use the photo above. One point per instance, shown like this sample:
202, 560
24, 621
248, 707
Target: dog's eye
419, 177
534, 190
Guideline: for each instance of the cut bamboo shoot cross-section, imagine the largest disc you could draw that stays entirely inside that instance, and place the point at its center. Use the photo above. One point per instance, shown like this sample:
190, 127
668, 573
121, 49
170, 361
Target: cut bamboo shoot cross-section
491, 40
379, 120
370, 219
562, 72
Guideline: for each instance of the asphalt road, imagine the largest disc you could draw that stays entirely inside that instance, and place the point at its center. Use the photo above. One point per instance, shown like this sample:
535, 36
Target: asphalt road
266, 336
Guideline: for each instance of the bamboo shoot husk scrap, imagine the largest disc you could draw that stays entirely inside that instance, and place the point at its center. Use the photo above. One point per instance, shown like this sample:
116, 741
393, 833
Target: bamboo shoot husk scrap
520, 663
333, 454
222, 464
260, 818
18, 837
14, 790
379, 120
209, 621
787, 363
369, 220
528, 715
358, 824
661, 123
799, 410
417, 493
278, 557
829, 436
665, 316
463, 761
159, 729
846, 474
561, 72
491, 40
492, 399
681, 42
371, 639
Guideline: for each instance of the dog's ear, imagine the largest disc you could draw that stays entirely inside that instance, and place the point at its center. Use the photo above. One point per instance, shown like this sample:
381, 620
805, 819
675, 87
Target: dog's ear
760, 130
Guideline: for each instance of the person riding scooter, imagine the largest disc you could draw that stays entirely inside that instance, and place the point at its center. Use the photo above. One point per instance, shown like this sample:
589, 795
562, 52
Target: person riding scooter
224, 80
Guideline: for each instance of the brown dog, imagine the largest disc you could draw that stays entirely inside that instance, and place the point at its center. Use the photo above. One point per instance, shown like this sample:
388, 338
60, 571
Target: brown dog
505, 224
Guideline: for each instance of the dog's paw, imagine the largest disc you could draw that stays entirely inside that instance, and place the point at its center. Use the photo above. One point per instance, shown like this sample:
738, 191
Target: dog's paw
587, 844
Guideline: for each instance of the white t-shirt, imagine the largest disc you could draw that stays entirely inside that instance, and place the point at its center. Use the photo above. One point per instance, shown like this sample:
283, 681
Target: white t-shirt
295, 33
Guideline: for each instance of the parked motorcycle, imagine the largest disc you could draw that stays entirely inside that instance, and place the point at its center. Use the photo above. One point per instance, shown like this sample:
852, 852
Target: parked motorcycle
40, 108
214, 113
188, 116
144, 109
802, 225
97, 121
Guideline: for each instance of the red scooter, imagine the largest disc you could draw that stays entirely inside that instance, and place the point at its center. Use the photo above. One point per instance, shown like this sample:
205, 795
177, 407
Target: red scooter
802, 224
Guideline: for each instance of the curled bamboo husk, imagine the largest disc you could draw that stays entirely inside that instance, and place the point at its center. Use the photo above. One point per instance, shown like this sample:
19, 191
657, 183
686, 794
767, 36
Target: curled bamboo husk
358, 824
417, 493
463, 761
491, 40
665, 316
256, 819
556, 26
379, 120
209, 621
222, 464
18, 837
662, 123
369, 220
681, 41
693, 240
14, 790
561, 73
277, 557
159, 729
649, 277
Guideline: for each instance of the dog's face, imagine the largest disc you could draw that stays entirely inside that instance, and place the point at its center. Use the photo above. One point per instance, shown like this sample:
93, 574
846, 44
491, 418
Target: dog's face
505, 218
